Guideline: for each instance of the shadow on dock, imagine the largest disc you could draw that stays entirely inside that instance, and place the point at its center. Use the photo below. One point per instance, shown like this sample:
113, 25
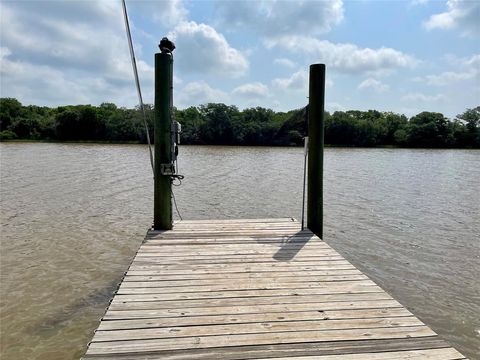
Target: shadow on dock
292, 246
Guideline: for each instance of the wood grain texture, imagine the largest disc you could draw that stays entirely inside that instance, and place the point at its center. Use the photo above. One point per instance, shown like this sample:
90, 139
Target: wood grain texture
254, 289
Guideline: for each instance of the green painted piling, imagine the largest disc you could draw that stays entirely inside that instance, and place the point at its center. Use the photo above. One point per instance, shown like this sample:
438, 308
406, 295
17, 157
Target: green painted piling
162, 214
316, 115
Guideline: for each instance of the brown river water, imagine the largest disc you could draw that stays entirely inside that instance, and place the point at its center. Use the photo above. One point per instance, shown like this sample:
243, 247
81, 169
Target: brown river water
73, 216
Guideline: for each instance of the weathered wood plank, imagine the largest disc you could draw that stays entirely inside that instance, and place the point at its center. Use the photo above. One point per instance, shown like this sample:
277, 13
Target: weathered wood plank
209, 251
206, 244
185, 269
154, 301
226, 273
311, 275
236, 230
255, 328
229, 264
151, 311
310, 349
249, 318
430, 354
245, 233
153, 294
137, 346
253, 289
236, 227
152, 281
216, 240
237, 221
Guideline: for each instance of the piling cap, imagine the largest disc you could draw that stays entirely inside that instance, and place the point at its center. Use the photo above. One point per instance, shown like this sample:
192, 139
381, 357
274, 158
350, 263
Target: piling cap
166, 46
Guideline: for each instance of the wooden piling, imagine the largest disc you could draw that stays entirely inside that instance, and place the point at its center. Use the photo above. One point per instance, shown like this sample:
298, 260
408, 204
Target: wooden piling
316, 114
162, 214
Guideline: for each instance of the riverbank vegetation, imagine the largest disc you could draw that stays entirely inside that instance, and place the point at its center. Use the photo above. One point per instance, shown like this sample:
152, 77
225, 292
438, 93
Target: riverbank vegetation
220, 124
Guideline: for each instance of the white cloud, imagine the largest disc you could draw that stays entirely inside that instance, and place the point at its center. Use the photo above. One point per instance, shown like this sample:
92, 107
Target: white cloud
276, 18
16, 77
4, 52
334, 106
346, 57
473, 62
298, 81
42, 34
293, 25
167, 12
412, 111
419, 97
42, 84
461, 14
68, 52
374, 85
201, 49
284, 62
252, 90
199, 92
469, 69
446, 78
418, 2
82, 47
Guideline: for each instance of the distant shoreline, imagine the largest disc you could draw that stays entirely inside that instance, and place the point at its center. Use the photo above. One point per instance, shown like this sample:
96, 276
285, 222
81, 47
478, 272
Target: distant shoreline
221, 124
106, 142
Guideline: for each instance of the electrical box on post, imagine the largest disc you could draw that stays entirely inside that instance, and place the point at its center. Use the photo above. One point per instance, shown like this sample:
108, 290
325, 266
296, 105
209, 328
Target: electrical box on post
167, 169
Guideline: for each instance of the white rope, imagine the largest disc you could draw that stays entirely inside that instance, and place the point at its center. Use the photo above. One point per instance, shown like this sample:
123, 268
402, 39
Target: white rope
305, 154
137, 82
176, 207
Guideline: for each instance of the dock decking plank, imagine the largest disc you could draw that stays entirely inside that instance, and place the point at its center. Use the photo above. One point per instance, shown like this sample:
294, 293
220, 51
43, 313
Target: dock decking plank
249, 318
254, 289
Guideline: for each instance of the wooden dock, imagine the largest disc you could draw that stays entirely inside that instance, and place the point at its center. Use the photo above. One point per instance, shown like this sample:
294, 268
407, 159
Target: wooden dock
254, 289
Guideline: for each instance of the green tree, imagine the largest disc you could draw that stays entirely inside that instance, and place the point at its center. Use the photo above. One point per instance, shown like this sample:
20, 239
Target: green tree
67, 124
257, 126
219, 123
393, 123
341, 129
24, 128
192, 122
293, 128
9, 110
471, 119
429, 129
7, 135
124, 125
90, 126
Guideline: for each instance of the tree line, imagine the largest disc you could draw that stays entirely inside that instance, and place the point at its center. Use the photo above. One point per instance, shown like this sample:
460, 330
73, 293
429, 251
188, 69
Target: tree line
220, 124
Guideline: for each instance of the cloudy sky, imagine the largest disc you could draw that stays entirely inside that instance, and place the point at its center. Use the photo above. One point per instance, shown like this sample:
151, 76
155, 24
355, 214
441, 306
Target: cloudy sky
403, 56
